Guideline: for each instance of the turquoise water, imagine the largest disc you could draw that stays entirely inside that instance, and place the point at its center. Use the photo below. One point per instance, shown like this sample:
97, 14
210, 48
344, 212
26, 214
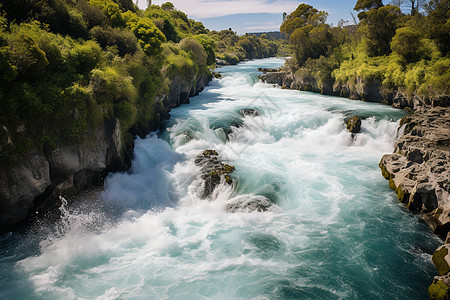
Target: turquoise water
336, 230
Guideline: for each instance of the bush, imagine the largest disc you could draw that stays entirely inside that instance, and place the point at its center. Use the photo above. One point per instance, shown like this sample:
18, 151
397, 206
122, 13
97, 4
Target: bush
85, 57
148, 35
195, 50
406, 43
125, 40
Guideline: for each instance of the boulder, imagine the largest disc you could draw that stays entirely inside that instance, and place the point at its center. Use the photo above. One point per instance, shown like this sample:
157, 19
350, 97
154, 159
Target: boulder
251, 112
354, 124
213, 172
247, 203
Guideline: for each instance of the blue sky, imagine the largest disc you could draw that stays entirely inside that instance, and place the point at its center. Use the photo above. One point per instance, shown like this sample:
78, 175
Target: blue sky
254, 15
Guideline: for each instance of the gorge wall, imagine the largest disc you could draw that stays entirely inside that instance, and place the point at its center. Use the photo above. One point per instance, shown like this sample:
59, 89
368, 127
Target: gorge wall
40, 174
370, 90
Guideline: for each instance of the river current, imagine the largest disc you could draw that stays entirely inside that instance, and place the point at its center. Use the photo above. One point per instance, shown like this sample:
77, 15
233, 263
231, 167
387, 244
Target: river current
335, 231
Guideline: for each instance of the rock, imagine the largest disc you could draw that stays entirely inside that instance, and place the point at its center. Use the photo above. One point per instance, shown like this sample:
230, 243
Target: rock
218, 75
213, 172
419, 170
267, 70
20, 185
274, 78
354, 124
251, 112
246, 203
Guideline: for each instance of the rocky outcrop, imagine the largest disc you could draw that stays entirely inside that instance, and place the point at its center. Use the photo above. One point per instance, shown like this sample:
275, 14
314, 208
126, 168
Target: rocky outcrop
247, 204
371, 90
419, 172
38, 175
213, 172
66, 168
180, 89
419, 169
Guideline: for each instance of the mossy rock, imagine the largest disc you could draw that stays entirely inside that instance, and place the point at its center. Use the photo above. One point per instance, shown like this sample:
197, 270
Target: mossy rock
391, 183
354, 124
439, 260
402, 195
438, 290
208, 153
227, 169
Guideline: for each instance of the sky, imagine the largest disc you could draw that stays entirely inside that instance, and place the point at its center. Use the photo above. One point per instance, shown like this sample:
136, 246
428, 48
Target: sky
254, 15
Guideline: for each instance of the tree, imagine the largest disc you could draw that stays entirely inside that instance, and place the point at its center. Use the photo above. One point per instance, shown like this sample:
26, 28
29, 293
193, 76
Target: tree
168, 6
381, 25
149, 36
406, 43
438, 22
368, 4
303, 15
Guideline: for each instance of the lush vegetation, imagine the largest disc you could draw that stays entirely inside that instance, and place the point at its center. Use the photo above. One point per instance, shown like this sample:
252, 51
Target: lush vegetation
67, 67
407, 53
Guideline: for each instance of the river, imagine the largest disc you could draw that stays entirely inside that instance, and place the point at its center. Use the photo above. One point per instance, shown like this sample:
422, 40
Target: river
335, 231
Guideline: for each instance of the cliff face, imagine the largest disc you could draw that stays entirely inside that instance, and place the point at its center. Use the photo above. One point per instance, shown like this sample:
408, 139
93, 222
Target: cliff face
419, 169
38, 175
358, 89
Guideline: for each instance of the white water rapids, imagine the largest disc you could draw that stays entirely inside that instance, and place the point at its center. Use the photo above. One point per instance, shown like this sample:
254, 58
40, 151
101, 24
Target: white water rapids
335, 231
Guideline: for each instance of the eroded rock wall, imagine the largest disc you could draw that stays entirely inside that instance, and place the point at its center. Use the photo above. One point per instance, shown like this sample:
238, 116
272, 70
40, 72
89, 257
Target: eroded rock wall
38, 175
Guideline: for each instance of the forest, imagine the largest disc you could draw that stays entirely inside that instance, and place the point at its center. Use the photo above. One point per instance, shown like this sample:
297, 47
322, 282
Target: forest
67, 66
400, 50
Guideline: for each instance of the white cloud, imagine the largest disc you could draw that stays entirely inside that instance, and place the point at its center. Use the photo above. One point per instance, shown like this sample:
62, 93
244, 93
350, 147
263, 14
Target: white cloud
269, 26
202, 9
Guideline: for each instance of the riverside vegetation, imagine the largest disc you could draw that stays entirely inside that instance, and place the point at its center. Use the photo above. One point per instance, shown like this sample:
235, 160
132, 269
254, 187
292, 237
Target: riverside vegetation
80, 79
398, 59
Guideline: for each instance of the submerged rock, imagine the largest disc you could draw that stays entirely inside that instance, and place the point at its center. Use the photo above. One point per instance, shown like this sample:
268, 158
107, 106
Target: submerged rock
248, 204
354, 124
213, 172
250, 112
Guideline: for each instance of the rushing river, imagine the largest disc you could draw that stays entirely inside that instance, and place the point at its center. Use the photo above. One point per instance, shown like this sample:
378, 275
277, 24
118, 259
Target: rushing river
336, 230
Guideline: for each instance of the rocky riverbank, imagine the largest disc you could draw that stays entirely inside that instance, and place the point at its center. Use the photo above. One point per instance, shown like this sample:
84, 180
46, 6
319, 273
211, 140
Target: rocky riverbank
69, 168
360, 89
419, 169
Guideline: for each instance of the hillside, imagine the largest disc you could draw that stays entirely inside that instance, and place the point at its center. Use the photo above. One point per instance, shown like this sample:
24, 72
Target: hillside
80, 79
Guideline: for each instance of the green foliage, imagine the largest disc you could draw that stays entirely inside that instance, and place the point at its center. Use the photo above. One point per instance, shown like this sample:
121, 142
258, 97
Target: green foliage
209, 46
149, 36
168, 6
303, 15
70, 66
380, 25
124, 40
195, 51
368, 4
406, 43
111, 10
438, 23
26, 55
85, 57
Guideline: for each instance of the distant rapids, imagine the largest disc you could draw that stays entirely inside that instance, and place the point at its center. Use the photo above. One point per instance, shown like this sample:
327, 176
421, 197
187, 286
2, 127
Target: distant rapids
334, 231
